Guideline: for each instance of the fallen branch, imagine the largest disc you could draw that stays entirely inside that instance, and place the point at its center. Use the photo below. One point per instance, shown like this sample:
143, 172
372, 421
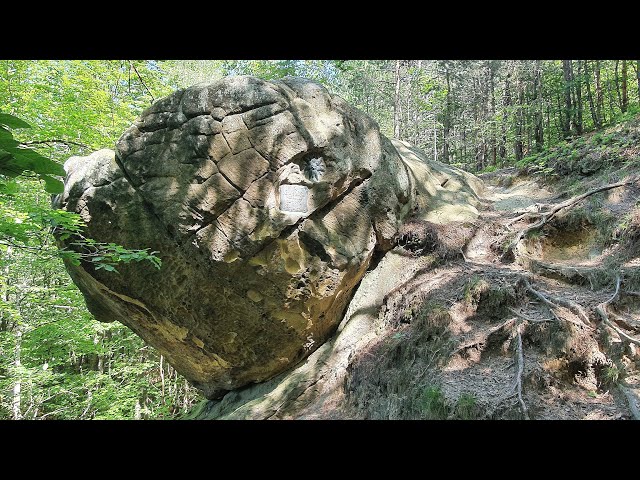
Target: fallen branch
601, 309
55, 140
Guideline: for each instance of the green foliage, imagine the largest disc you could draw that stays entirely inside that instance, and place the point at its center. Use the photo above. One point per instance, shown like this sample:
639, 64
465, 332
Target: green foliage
434, 404
466, 408
611, 375
436, 407
67, 364
16, 159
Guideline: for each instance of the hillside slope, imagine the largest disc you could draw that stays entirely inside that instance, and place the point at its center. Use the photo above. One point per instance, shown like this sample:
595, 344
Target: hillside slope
530, 311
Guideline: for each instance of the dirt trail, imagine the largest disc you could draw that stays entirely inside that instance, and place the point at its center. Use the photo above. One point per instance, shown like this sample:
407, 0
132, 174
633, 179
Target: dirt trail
526, 337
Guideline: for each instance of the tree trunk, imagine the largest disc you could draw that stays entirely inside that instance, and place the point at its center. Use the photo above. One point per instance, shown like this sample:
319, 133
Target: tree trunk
599, 96
592, 108
396, 102
435, 142
579, 107
612, 108
519, 146
492, 112
558, 119
625, 93
506, 106
537, 98
617, 78
566, 124
17, 387
446, 120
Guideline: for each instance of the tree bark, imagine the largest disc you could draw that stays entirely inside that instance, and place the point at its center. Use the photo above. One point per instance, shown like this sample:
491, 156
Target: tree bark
625, 94
537, 98
612, 109
396, 102
599, 96
506, 106
579, 107
435, 142
17, 386
566, 124
592, 108
617, 79
518, 145
492, 111
446, 120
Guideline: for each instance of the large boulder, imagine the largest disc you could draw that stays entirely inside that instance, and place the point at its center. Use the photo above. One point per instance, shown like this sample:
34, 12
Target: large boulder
267, 202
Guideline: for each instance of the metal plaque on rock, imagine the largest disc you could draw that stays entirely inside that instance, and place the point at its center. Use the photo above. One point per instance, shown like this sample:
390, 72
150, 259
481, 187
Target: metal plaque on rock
293, 198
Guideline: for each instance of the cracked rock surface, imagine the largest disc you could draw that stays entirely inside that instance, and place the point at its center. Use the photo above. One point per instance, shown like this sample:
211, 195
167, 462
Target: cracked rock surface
267, 201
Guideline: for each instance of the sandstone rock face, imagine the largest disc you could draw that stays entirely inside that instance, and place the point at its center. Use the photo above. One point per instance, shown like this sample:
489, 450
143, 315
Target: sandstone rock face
266, 201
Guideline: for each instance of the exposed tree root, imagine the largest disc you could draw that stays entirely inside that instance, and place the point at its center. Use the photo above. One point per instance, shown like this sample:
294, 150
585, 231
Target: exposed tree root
529, 319
601, 309
625, 322
516, 385
554, 302
568, 273
483, 339
545, 216
520, 371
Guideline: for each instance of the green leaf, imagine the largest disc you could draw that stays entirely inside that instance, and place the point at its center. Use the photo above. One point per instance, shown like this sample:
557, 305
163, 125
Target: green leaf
12, 121
52, 185
32, 160
9, 188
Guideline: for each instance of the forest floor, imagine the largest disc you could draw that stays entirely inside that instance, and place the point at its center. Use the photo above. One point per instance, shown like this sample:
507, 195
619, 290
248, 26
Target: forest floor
537, 317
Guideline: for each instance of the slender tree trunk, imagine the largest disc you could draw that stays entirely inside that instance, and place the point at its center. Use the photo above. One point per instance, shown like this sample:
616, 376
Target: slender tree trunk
579, 107
612, 108
492, 113
446, 123
592, 108
599, 96
17, 386
435, 142
518, 146
537, 98
558, 119
549, 123
506, 107
396, 102
617, 78
625, 94
566, 125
